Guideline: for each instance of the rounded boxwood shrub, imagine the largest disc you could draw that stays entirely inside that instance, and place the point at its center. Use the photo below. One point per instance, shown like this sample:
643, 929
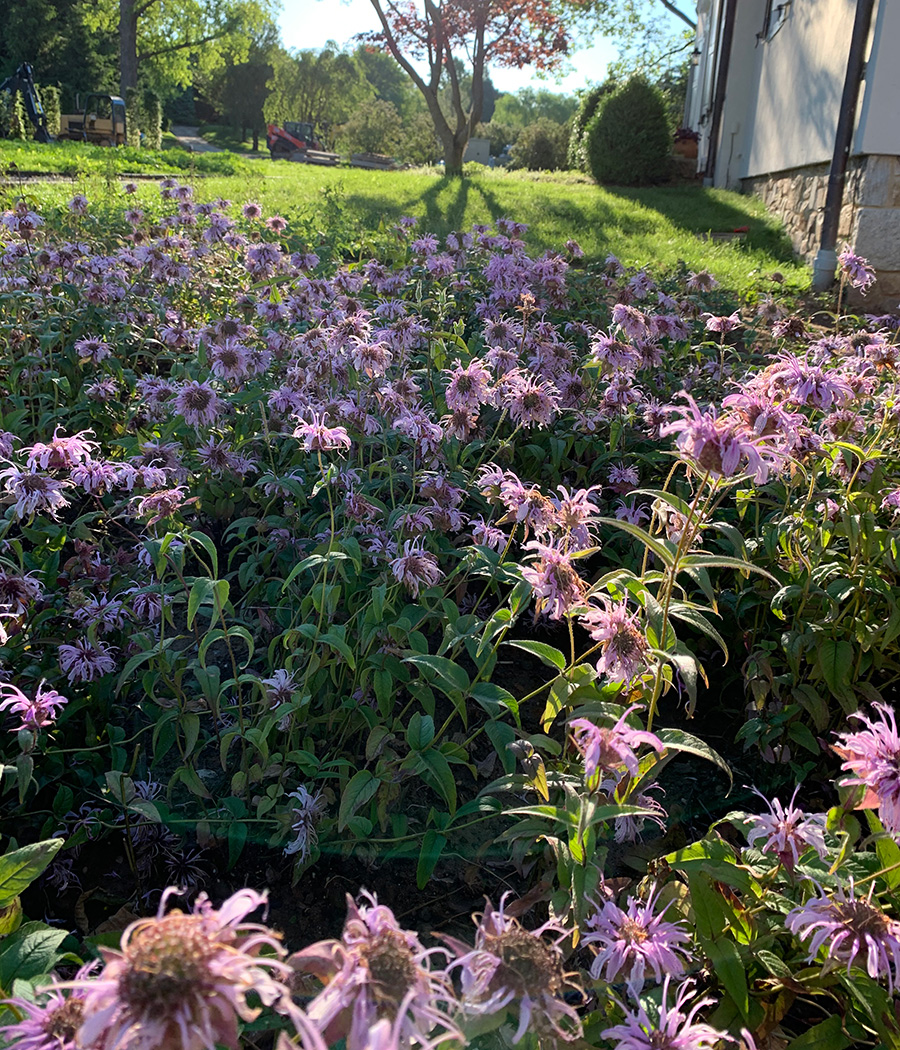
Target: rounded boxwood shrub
627, 141
592, 98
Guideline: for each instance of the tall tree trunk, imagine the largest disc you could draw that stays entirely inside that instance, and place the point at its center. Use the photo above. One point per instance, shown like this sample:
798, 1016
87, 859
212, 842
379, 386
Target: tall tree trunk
454, 151
256, 140
128, 63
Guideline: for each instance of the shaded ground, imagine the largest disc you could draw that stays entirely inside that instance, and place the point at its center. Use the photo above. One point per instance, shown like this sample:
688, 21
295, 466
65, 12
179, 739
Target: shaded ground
189, 139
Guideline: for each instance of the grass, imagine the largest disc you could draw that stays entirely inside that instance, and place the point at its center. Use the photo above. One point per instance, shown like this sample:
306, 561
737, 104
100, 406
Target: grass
659, 227
80, 159
229, 138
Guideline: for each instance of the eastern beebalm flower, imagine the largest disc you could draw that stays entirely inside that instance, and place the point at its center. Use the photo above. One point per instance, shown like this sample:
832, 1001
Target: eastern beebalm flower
83, 661
511, 967
415, 568
50, 1022
623, 645
36, 714
873, 756
316, 437
34, 492
180, 981
635, 943
609, 749
198, 403
852, 930
378, 972
557, 586
856, 270
675, 1028
787, 831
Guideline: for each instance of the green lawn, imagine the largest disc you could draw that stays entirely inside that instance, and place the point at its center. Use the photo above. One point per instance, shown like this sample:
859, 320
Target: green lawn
659, 227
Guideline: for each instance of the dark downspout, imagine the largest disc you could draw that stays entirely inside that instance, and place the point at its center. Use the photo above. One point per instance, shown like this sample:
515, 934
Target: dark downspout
721, 85
826, 257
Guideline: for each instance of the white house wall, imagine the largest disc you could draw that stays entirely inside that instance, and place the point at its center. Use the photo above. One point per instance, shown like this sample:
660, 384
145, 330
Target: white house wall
801, 77
739, 110
879, 118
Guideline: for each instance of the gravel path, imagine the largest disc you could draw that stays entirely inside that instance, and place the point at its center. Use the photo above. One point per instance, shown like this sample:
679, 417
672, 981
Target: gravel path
189, 138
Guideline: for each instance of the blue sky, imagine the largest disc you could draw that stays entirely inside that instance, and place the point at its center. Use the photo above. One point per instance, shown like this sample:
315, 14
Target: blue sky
312, 23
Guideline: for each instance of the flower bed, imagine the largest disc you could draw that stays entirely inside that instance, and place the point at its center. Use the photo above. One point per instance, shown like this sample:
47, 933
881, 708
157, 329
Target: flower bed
420, 557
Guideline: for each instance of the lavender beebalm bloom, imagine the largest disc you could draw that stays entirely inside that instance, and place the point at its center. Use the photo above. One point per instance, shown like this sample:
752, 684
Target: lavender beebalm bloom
50, 1022
36, 714
609, 749
675, 1028
377, 972
511, 967
787, 831
180, 981
558, 588
873, 756
635, 942
856, 271
852, 930
622, 642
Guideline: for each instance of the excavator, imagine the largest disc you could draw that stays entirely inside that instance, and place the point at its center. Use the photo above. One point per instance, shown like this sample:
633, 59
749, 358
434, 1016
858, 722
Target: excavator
102, 121
23, 80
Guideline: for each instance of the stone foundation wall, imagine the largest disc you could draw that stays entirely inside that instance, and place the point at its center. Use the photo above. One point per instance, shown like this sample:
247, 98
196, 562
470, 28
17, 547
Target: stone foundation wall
870, 216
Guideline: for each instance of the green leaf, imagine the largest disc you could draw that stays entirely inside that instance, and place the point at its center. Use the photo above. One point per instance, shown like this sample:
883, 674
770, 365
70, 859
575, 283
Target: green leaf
432, 845
658, 547
888, 851
420, 731
205, 591
774, 964
31, 951
494, 699
729, 968
21, 867
361, 787
675, 502
237, 836
715, 858
835, 660
545, 653
678, 740
697, 620
207, 544
445, 671
312, 561
827, 1035
720, 561
435, 770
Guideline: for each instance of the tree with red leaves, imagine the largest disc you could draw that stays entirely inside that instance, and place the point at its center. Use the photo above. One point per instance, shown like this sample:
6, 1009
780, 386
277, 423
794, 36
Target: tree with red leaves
506, 33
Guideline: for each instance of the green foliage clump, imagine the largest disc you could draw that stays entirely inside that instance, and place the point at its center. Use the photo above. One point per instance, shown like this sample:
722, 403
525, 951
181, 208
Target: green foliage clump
151, 119
627, 141
500, 134
50, 99
133, 116
542, 146
589, 103
13, 122
375, 127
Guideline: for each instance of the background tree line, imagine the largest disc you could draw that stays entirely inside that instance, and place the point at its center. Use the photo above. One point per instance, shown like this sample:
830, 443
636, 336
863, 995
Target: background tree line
223, 62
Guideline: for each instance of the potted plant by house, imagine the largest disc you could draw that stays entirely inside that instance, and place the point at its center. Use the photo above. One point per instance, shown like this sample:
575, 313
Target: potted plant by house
686, 142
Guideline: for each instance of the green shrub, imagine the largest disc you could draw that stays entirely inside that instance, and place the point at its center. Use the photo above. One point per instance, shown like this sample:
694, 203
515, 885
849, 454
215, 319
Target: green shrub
627, 139
49, 96
17, 124
577, 157
151, 114
375, 127
541, 146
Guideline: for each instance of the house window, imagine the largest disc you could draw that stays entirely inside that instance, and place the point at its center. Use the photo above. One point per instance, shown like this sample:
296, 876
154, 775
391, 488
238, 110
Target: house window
775, 17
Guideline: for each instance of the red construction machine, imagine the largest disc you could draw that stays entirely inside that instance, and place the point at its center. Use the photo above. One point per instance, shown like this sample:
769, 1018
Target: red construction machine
297, 140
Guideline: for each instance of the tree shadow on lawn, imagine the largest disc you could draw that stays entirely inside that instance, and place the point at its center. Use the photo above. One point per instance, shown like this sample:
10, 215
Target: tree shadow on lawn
697, 210
441, 217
